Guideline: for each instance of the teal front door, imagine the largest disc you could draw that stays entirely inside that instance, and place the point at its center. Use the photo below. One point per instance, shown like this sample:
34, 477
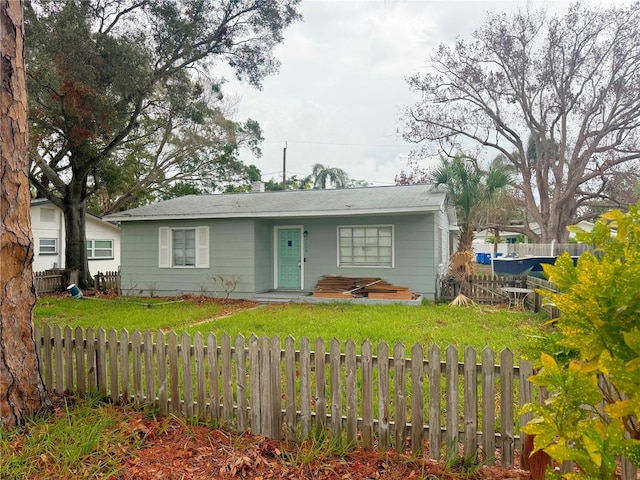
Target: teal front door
289, 258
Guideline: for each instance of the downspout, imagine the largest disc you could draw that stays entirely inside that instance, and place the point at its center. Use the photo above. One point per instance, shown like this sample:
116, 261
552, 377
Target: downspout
63, 243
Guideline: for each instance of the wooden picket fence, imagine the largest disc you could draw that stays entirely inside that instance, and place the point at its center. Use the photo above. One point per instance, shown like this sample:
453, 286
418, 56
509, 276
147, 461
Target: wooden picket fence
49, 281
537, 301
487, 289
257, 386
466, 408
107, 281
53, 281
479, 288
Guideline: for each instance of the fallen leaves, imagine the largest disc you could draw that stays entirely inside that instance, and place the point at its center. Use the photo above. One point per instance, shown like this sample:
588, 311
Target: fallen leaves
150, 448
175, 450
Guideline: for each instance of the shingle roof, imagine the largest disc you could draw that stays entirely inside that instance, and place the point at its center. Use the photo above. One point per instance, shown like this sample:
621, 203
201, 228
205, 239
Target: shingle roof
295, 203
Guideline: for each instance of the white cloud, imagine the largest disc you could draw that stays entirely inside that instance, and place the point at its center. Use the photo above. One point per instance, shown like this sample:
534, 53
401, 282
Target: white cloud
337, 97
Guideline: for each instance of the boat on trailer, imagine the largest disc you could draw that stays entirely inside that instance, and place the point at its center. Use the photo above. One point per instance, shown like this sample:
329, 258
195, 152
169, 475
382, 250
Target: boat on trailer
522, 266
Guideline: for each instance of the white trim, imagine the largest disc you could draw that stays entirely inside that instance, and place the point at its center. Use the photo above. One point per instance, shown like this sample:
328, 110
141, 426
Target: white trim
271, 214
202, 247
393, 244
55, 246
164, 247
93, 248
276, 259
165, 252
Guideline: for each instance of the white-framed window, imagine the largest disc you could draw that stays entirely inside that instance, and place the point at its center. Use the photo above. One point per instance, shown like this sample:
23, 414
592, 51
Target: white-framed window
48, 246
365, 246
183, 247
100, 249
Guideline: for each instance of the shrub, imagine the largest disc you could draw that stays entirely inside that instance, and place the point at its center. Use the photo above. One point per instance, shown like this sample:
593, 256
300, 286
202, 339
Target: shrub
591, 366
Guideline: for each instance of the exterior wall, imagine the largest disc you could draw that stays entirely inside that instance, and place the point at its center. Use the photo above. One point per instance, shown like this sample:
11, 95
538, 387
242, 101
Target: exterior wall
244, 248
47, 222
99, 230
414, 245
264, 255
231, 255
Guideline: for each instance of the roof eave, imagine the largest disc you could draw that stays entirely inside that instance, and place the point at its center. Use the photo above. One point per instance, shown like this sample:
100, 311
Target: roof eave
315, 214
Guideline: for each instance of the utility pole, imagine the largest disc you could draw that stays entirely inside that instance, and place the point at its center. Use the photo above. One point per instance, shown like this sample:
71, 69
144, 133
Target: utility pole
284, 167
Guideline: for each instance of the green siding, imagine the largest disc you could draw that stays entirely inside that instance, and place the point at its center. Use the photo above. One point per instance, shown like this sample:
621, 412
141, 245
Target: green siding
245, 247
231, 254
263, 255
414, 244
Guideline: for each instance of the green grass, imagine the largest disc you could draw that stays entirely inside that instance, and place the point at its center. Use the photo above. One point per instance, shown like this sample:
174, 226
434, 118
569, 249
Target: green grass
478, 326
78, 445
123, 312
442, 325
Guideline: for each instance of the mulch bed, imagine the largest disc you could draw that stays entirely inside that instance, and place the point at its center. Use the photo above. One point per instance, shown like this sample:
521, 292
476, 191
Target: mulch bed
180, 451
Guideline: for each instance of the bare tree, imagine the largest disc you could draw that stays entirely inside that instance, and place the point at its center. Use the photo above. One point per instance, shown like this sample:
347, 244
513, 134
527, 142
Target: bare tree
21, 388
558, 96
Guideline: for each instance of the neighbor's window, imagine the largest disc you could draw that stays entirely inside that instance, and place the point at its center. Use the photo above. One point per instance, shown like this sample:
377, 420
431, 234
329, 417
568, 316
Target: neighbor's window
365, 246
47, 215
48, 246
183, 243
99, 249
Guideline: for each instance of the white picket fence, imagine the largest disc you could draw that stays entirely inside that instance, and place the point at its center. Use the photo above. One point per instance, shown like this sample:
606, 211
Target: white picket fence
463, 408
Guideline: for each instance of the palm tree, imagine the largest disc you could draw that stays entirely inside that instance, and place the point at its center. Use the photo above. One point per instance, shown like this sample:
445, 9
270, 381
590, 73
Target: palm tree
469, 188
322, 176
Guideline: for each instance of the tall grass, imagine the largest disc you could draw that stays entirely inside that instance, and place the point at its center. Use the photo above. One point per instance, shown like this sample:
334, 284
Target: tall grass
123, 312
87, 442
476, 326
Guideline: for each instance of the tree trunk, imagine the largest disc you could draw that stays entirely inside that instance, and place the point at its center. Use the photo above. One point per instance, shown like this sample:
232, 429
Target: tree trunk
22, 391
555, 226
465, 243
496, 240
75, 209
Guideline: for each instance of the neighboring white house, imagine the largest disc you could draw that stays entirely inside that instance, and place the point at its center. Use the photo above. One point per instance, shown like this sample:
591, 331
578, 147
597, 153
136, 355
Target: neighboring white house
47, 224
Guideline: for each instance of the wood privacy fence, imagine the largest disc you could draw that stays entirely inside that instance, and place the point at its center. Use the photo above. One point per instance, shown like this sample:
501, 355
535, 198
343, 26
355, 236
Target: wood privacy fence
49, 281
487, 289
52, 281
107, 281
548, 249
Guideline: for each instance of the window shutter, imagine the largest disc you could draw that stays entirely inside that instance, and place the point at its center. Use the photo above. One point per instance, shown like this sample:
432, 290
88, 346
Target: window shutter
164, 258
202, 247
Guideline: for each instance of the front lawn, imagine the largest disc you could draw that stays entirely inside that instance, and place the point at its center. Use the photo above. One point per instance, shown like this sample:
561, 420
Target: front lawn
130, 312
478, 326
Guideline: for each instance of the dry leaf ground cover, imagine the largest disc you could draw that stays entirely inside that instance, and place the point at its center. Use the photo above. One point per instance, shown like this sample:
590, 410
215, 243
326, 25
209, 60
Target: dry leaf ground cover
136, 445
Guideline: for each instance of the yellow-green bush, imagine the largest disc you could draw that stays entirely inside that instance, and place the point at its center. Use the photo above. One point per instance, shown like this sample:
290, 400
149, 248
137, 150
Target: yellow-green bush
591, 366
